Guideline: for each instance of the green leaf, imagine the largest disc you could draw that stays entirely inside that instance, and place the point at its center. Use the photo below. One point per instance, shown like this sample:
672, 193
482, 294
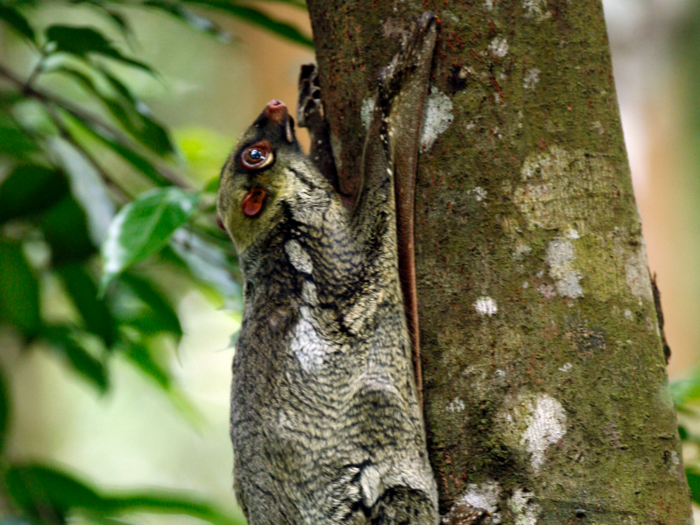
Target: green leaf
161, 316
257, 17
296, 3
14, 141
133, 115
200, 23
83, 291
67, 343
143, 227
4, 410
87, 187
116, 18
213, 185
86, 41
65, 229
41, 488
686, 391
17, 21
688, 436
209, 263
693, 478
139, 354
140, 163
42, 492
19, 289
118, 86
30, 189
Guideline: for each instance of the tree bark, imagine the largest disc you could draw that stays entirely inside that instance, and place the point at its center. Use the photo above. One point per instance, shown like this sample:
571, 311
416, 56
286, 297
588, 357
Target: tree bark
545, 387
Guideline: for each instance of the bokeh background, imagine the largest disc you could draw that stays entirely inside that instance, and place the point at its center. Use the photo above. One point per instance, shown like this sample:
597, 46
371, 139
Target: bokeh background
208, 92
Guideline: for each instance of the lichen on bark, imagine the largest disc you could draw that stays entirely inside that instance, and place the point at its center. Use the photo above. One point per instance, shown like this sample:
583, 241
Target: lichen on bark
546, 396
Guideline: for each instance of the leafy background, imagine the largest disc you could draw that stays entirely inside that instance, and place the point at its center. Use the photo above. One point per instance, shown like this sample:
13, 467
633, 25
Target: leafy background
113, 269
118, 293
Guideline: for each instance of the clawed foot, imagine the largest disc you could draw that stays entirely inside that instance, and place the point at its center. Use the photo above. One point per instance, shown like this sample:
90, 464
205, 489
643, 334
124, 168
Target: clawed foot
465, 514
309, 107
310, 115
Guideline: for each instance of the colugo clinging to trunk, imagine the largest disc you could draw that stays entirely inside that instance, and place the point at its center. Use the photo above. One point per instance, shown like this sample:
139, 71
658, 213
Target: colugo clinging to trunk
326, 419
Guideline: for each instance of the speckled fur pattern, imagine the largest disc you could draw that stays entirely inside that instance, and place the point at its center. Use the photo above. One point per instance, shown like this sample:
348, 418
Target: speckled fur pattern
325, 418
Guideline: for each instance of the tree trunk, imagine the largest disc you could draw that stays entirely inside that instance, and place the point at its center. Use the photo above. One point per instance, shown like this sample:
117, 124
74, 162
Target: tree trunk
546, 396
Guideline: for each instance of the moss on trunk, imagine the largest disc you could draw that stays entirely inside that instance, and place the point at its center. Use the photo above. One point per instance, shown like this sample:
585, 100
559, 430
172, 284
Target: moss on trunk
546, 396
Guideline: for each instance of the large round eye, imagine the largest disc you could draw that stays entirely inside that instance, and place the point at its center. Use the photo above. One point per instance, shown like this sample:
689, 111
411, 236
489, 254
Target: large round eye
257, 156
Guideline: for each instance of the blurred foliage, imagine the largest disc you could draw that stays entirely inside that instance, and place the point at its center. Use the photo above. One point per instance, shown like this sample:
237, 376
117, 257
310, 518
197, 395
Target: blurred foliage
686, 397
686, 393
58, 205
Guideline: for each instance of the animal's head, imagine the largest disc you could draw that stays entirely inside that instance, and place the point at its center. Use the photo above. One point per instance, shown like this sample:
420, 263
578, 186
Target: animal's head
256, 179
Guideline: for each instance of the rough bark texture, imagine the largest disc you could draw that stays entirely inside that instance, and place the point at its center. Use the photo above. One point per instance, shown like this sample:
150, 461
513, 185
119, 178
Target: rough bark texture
546, 396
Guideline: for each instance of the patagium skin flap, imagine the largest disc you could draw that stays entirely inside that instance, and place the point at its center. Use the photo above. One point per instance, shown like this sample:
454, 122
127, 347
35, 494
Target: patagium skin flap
325, 418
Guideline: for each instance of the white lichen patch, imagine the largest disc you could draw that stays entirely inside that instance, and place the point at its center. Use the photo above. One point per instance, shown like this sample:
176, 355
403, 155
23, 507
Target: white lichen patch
572, 234
456, 405
436, 119
637, 274
479, 193
536, 9
525, 509
532, 78
484, 496
307, 344
498, 47
560, 258
561, 187
486, 306
298, 257
547, 426
366, 111
597, 126
337, 148
674, 463
521, 251
547, 291
628, 315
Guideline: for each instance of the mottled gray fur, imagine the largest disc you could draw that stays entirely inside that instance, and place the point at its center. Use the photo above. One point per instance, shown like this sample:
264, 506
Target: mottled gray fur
325, 418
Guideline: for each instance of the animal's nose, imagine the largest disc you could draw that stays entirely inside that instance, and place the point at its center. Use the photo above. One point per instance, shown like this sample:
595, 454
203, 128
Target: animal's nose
276, 110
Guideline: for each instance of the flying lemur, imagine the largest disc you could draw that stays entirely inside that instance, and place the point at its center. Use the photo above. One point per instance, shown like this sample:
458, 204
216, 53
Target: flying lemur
326, 420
